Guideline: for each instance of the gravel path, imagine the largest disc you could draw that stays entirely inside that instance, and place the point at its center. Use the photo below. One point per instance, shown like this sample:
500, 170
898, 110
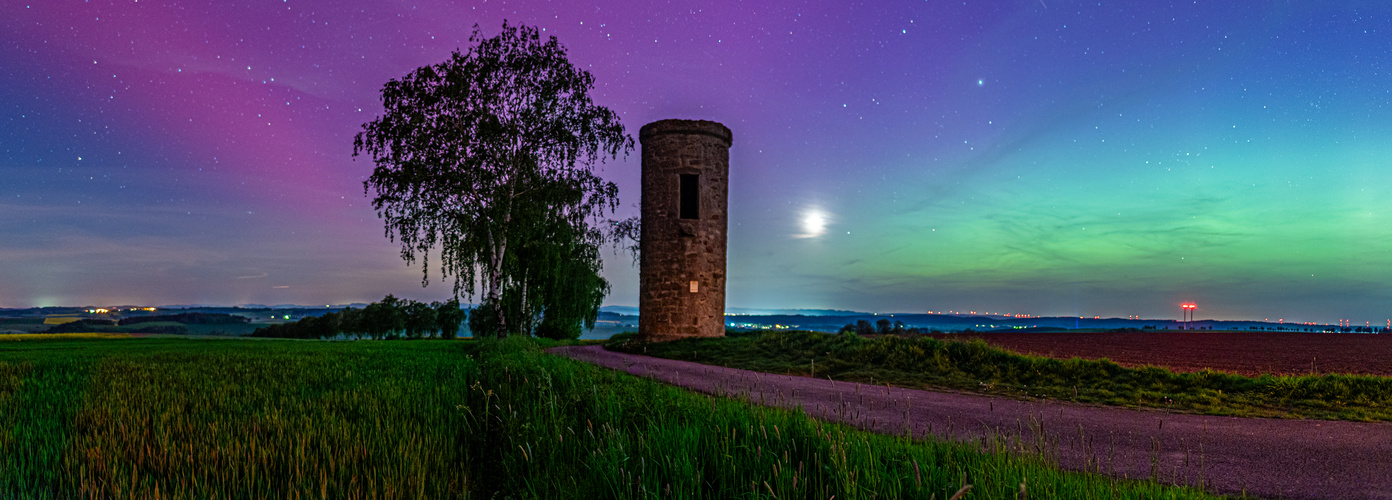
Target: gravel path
1264, 457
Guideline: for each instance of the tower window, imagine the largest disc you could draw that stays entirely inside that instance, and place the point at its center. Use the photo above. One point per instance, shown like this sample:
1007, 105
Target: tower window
690, 196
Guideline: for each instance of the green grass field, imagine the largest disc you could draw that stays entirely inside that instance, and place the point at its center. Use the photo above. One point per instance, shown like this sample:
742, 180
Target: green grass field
197, 329
229, 418
52, 336
23, 324
37, 325
975, 366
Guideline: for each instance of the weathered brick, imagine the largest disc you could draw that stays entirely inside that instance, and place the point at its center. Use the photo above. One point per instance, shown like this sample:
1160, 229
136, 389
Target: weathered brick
675, 251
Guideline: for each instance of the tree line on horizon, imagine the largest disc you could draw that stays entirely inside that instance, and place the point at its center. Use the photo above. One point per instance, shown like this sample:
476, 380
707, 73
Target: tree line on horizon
393, 318
883, 327
388, 319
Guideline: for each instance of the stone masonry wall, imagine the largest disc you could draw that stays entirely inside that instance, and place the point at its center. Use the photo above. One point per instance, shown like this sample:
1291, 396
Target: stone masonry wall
682, 261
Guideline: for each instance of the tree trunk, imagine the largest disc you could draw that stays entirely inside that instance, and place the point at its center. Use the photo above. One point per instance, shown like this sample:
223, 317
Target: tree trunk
495, 278
495, 286
524, 321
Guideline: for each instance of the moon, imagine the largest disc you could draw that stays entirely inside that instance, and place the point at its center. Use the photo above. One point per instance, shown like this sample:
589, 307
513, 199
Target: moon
814, 223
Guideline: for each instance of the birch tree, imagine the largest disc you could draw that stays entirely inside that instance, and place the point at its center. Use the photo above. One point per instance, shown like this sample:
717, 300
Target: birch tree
491, 155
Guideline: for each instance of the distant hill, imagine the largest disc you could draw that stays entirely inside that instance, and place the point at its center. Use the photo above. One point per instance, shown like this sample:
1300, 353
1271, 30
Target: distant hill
194, 318
747, 311
110, 326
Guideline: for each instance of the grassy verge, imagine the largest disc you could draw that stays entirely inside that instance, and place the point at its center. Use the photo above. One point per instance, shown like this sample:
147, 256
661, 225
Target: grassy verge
978, 367
177, 418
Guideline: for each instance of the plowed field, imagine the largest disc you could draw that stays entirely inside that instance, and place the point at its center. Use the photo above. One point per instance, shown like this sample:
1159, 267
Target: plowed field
1246, 353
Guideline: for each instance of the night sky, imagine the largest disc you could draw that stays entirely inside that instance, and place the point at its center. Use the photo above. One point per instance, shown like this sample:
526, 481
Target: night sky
1024, 156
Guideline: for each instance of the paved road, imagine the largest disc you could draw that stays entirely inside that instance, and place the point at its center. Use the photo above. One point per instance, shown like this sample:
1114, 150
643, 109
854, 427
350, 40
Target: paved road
1264, 457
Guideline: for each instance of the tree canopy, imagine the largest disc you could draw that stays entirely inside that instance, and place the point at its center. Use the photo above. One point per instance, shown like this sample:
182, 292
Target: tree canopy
489, 158
391, 318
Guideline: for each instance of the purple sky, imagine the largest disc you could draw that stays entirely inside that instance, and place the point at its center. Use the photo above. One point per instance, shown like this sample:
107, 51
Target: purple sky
1038, 157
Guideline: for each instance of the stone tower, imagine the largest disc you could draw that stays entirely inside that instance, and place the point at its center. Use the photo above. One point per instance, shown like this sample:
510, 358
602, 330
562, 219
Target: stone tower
686, 167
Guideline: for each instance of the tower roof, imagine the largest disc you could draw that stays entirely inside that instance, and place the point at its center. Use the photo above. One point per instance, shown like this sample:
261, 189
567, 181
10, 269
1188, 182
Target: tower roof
673, 126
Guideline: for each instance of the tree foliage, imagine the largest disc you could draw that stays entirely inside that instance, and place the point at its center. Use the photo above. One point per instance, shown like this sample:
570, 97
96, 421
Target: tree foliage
448, 317
489, 158
390, 318
420, 319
